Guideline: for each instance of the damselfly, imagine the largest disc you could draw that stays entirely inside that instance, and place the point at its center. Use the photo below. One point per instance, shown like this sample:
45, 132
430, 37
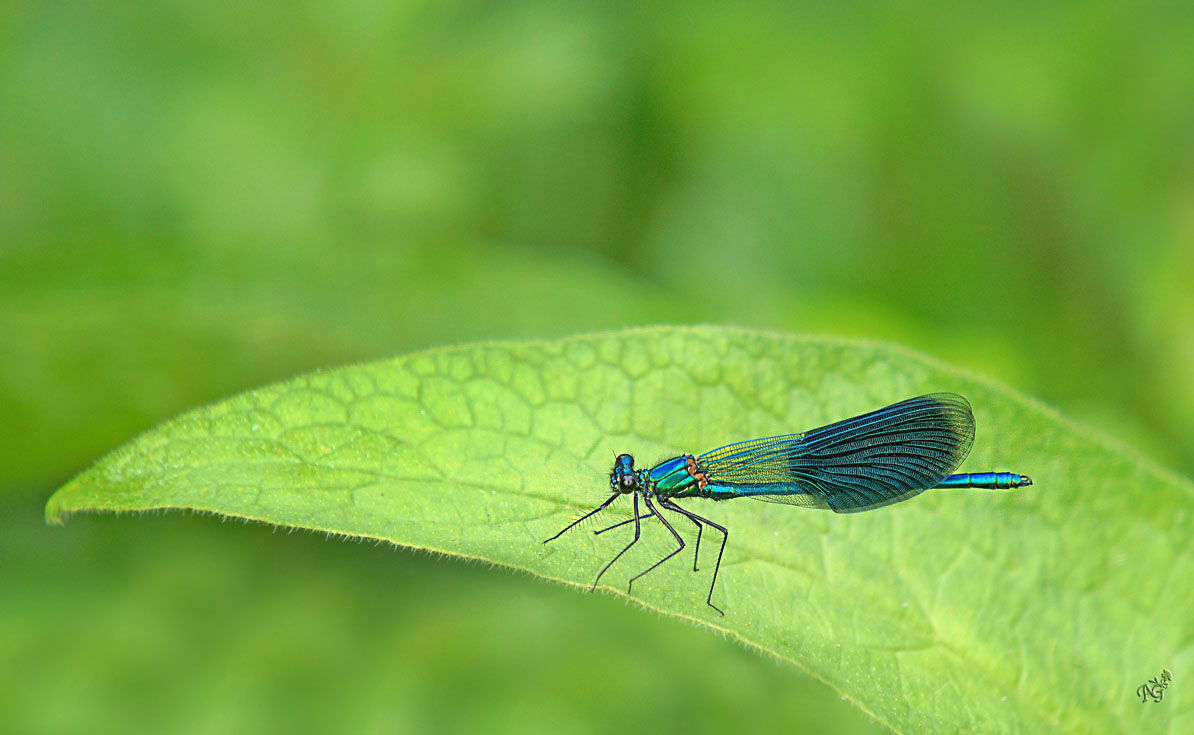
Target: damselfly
858, 464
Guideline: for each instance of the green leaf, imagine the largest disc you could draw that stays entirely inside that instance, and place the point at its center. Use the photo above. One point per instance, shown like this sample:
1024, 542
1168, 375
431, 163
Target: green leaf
972, 611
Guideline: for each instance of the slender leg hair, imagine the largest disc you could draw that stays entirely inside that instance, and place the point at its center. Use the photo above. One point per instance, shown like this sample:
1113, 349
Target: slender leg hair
675, 535
700, 529
619, 524
583, 518
725, 536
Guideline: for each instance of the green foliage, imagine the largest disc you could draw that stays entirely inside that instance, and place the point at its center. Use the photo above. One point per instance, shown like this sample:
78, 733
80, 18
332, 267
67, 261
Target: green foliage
973, 611
200, 197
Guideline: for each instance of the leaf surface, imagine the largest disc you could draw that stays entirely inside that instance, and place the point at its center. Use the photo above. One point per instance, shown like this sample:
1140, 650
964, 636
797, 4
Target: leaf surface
957, 611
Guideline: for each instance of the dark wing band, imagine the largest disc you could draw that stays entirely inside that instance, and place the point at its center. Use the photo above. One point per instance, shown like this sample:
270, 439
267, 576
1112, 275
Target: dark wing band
865, 462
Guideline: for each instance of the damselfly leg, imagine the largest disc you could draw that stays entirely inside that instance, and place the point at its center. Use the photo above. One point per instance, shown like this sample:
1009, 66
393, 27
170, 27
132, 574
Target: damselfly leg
637, 533
696, 554
725, 536
583, 518
675, 535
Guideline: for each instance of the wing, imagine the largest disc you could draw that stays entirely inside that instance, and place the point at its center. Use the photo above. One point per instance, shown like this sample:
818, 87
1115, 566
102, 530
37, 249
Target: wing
865, 462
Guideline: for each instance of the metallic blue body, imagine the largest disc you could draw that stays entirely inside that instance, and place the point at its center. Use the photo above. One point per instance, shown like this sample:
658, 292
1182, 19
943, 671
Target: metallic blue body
861, 463
667, 478
989, 480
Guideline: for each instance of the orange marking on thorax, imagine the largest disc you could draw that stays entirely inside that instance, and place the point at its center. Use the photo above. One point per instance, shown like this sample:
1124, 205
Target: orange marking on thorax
695, 472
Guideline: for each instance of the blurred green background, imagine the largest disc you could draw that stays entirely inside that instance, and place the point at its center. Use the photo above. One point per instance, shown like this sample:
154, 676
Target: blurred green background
199, 198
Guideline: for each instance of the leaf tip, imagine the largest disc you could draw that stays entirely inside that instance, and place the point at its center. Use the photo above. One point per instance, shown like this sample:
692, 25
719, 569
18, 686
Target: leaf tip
56, 515
58, 508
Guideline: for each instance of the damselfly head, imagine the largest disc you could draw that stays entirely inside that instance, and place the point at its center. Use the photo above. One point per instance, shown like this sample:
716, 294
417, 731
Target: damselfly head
623, 479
